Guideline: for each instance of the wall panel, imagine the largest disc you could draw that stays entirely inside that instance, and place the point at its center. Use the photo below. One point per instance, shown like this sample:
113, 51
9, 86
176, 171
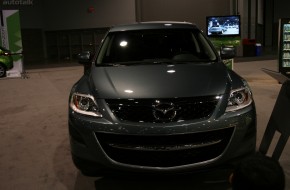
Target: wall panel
183, 10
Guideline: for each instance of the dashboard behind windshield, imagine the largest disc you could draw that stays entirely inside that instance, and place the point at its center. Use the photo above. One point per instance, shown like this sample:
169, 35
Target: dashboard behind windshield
183, 45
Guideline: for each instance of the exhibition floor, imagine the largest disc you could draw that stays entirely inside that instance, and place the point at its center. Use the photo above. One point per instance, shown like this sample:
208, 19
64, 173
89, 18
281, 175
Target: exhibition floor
34, 140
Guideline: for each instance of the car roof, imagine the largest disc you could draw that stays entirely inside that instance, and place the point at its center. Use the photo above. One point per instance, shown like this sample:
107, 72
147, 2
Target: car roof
153, 25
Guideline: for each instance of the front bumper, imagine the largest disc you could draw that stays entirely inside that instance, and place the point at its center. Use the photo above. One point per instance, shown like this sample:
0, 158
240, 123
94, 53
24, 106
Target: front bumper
162, 148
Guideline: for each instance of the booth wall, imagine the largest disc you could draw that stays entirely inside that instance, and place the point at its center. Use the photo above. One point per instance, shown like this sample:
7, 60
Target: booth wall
67, 14
274, 9
31, 13
182, 10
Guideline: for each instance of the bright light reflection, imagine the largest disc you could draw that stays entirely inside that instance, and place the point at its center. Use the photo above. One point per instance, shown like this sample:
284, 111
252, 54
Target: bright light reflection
123, 43
171, 71
218, 97
129, 91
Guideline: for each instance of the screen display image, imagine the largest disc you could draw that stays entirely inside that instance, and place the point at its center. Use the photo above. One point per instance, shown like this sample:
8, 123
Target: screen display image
223, 25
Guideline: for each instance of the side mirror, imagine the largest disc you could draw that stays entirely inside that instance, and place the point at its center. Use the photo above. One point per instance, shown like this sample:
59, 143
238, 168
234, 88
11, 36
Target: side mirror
84, 57
228, 52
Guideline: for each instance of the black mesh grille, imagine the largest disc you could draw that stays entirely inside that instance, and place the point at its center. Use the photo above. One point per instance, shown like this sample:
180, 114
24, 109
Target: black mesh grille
165, 150
143, 110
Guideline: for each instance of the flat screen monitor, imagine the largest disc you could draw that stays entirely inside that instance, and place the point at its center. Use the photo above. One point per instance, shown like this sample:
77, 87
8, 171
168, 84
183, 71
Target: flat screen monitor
223, 26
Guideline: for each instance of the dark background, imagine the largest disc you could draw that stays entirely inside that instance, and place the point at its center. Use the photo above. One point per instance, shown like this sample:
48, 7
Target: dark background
54, 30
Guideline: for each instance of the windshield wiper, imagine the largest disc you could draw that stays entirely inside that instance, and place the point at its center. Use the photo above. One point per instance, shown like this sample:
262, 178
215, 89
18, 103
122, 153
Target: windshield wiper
117, 64
151, 62
143, 62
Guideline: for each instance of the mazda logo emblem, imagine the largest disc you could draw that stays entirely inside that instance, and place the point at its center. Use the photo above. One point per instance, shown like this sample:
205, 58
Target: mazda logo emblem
164, 111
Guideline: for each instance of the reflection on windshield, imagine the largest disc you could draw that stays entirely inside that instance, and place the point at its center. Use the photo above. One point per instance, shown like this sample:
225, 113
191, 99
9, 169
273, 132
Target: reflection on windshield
155, 46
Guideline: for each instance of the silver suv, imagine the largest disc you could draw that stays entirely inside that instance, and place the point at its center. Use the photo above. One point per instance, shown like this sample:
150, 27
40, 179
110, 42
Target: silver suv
157, 98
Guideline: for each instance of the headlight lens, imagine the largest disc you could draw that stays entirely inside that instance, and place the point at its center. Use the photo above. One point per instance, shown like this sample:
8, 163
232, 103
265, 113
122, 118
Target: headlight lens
84, 104
239, 98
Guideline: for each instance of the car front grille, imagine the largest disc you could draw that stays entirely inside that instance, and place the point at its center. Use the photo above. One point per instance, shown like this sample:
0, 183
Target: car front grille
162, 110
165, 150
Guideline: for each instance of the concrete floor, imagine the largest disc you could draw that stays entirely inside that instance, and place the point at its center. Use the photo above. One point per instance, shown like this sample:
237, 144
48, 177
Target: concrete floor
34, 146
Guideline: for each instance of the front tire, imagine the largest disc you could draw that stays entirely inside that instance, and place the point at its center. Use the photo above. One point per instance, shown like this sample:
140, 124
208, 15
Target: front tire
2, 70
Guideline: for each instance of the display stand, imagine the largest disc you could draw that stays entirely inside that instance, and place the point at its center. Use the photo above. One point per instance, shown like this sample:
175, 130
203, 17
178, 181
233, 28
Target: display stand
11, 39
284, 46
281, 78
224, 31
279, 120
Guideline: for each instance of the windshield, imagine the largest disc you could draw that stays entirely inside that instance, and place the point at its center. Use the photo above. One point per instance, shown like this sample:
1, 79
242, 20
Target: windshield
166, 45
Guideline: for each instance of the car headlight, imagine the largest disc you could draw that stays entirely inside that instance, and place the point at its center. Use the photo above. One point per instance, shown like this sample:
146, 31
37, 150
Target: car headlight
84, 104
239, 98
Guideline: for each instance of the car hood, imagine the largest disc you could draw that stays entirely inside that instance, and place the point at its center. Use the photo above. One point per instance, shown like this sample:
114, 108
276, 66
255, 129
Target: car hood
159, 81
